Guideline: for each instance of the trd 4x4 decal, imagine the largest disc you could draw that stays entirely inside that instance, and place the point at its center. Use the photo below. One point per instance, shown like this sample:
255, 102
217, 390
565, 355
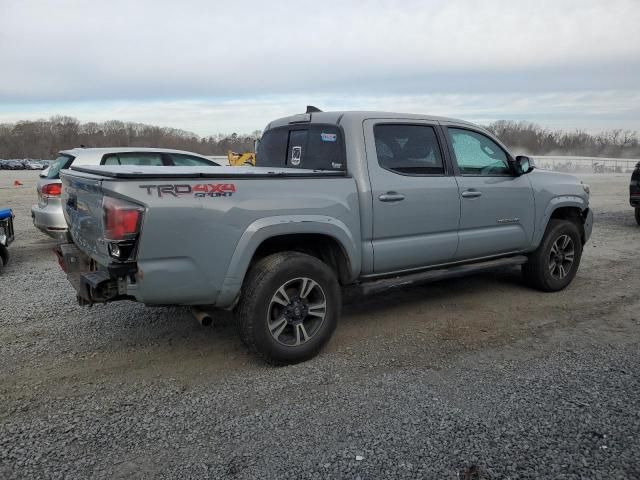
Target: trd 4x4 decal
199, 190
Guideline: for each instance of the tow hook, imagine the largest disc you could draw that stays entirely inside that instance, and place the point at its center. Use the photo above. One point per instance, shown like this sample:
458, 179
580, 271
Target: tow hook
202, 317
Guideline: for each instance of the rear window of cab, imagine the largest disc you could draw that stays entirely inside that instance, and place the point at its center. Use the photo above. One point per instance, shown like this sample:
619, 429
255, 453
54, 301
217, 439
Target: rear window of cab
314, 147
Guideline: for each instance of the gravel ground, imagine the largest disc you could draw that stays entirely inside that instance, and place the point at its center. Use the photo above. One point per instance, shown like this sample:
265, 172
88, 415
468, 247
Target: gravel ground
474, 378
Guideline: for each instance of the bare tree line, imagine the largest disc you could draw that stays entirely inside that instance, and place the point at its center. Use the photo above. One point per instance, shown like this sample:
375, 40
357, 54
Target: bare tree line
529, 138
42, 139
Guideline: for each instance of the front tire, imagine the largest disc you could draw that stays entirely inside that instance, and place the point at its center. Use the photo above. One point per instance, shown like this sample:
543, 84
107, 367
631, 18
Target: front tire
555, 263
638, 215
289, 307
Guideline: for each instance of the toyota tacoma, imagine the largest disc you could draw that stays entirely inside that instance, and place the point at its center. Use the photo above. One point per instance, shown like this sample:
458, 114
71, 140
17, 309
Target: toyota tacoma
336, 201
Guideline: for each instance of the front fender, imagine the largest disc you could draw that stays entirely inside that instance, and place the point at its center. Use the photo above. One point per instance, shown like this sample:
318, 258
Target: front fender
270, 227
574, 201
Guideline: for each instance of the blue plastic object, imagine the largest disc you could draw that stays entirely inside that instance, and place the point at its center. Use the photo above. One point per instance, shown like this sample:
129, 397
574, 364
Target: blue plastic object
6, 213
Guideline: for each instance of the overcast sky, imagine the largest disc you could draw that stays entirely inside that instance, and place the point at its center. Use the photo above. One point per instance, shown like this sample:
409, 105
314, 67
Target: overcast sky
223, 66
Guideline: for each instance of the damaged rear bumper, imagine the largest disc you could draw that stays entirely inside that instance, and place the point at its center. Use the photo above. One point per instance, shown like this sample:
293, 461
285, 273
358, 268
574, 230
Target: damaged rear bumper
94, 283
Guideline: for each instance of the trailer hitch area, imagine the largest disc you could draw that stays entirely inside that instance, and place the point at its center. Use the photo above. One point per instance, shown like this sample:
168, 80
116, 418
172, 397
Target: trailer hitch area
100, 287
91, 285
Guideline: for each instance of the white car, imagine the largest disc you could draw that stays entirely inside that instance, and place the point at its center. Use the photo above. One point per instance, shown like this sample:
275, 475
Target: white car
47, 214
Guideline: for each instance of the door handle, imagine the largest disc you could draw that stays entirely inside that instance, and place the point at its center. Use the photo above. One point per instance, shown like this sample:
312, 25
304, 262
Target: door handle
391, 197
471, 194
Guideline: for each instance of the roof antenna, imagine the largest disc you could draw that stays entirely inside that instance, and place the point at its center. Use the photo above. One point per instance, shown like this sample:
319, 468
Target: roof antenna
312, 109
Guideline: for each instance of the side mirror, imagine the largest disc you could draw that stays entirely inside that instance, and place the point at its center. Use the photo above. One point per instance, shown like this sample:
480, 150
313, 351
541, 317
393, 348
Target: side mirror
523, 164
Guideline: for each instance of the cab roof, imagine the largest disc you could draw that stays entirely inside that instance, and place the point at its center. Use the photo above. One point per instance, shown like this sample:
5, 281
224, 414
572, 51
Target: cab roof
343, 117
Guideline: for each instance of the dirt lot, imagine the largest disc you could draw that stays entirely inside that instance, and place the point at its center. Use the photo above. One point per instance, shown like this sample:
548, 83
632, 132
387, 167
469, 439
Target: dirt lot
472, 378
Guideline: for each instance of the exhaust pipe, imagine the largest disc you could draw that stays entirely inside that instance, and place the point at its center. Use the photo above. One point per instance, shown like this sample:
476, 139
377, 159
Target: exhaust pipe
202, 317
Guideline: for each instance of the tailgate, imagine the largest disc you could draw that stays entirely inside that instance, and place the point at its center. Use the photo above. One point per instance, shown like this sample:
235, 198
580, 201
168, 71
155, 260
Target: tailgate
82, 207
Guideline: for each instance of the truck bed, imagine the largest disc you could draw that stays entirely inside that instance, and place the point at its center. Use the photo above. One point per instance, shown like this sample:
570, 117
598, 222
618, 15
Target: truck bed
201, 226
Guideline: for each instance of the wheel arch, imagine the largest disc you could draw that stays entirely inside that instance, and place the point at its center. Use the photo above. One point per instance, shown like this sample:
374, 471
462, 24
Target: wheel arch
323, 237
572, 208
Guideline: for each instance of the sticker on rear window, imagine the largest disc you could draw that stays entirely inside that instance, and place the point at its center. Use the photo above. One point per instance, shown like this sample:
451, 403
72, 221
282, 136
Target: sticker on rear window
328, 137
296, 156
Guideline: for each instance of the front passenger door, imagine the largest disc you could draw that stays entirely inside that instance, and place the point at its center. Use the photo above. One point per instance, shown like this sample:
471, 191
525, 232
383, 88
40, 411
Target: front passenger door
497, 207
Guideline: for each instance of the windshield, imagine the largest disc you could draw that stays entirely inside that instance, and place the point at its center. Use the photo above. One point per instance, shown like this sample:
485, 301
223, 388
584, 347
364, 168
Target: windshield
63, 161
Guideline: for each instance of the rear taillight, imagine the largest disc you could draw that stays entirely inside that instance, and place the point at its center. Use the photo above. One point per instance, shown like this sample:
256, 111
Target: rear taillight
121, 219
51, 190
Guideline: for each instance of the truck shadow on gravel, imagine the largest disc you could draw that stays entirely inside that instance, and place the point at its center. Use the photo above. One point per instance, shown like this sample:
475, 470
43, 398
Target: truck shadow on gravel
170, 340
449, 290
461, 310
135, 325
417, 325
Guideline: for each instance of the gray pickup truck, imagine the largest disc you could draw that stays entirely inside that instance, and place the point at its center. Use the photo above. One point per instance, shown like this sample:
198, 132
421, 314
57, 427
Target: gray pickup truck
337, 201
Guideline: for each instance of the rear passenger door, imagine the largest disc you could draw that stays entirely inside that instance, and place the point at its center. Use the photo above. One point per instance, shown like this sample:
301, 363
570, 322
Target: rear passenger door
416, 206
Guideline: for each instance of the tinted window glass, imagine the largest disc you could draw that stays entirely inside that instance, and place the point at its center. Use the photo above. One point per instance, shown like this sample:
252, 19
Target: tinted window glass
408, 149
272, 149
477, 154
181, 160
60, 163
134, 158
325, 150
316, 147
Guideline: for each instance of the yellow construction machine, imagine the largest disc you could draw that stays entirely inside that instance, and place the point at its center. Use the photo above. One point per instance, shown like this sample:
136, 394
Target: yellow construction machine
241, 159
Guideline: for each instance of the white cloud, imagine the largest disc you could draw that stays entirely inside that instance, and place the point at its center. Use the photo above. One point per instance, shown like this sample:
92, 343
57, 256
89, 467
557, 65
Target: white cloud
87, 50
213, 66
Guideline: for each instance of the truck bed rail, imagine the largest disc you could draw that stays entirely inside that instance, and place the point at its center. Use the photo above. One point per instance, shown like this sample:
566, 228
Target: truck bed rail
247, 173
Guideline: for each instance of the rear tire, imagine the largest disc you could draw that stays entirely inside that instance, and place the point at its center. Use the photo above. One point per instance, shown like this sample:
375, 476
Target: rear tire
638, 215
555, 263
289, 307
